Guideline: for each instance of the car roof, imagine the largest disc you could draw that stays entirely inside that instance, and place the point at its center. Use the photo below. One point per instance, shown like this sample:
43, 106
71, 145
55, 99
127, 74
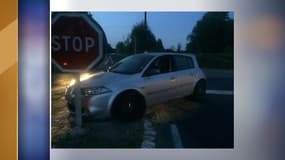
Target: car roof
169, 53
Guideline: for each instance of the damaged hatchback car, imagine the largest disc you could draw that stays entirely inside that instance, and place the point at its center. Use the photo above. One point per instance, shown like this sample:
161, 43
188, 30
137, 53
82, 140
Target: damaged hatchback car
137, 82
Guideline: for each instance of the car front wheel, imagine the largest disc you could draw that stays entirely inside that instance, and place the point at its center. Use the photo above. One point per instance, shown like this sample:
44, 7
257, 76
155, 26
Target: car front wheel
128, 106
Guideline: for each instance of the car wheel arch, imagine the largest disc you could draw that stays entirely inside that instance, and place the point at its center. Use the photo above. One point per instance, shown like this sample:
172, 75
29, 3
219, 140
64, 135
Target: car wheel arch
202, 80
124, 92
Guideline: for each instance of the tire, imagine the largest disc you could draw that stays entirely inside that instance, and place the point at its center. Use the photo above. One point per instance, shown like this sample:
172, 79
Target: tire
199, 90
128, 106
71, 108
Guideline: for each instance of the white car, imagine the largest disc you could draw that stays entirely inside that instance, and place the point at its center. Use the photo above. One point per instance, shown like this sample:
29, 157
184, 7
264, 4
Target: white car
137, 82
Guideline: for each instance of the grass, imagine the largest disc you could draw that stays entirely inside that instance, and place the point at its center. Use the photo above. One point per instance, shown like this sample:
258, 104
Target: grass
103, 135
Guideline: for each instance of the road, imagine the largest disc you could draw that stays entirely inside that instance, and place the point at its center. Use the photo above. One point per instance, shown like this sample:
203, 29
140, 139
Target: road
206, 124
219, 80
181, 123
213, 125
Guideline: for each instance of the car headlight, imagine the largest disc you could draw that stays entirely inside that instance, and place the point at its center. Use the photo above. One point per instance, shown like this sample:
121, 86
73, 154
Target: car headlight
71, 83
83, 77
94, 91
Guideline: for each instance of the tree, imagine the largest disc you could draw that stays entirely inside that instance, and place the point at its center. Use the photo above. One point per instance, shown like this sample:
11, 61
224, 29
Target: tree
171, 49
178, 48
109, 48
121, 48
229, 36
142, 38
212, 34
159, 46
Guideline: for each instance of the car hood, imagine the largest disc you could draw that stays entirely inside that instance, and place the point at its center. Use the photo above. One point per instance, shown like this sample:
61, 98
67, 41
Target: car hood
103, 79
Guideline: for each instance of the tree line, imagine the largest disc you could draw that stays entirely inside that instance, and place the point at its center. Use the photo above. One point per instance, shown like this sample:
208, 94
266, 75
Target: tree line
211, 34
141, 39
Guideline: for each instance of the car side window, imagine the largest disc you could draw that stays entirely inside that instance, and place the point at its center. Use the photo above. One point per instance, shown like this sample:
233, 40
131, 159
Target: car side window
159, 66
182, 62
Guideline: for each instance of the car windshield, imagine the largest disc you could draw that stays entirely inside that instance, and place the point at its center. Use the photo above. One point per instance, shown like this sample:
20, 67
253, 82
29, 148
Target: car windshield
132, 64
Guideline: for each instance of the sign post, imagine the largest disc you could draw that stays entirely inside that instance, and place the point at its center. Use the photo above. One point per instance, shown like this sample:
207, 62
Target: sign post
78, 107
77, 43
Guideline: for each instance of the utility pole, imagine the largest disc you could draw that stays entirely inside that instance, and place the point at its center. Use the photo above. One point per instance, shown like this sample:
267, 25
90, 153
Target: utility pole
145, 19
135, 44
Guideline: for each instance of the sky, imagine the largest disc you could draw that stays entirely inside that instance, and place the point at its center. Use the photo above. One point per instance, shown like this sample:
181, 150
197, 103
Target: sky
171, 27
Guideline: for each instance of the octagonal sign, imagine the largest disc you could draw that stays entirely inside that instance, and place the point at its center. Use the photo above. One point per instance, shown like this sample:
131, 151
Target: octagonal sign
77, 42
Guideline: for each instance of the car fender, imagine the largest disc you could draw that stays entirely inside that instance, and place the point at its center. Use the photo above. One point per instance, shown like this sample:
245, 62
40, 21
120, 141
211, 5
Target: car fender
116, 94
199, 75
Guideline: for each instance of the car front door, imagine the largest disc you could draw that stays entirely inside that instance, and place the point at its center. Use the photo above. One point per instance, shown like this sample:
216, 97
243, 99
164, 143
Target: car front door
159, 80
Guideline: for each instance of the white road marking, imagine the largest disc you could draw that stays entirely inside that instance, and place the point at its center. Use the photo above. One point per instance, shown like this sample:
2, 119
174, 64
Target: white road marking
149, 135
176, 136
220, 92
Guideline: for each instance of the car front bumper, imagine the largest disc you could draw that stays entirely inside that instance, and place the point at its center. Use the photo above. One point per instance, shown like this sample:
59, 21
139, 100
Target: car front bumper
96, 106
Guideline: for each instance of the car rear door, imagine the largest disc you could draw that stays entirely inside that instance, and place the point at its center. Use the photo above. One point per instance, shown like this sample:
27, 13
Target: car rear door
183, 67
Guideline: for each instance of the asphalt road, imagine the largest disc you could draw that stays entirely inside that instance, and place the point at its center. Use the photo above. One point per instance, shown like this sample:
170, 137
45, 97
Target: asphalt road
219, 80
213, 125
181, 123
210, 124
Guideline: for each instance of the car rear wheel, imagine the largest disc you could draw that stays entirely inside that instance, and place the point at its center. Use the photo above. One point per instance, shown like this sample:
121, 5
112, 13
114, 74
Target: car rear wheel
128, 106
199, 90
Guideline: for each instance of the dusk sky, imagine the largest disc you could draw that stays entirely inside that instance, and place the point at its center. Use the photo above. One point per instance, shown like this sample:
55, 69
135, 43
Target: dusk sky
171, 27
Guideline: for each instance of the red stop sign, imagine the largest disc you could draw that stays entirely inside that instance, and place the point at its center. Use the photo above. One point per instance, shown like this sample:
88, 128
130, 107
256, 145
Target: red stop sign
77, 42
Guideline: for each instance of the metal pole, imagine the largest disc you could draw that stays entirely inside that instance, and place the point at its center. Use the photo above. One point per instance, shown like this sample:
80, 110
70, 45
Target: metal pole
145, 19
135, 45
78, 114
